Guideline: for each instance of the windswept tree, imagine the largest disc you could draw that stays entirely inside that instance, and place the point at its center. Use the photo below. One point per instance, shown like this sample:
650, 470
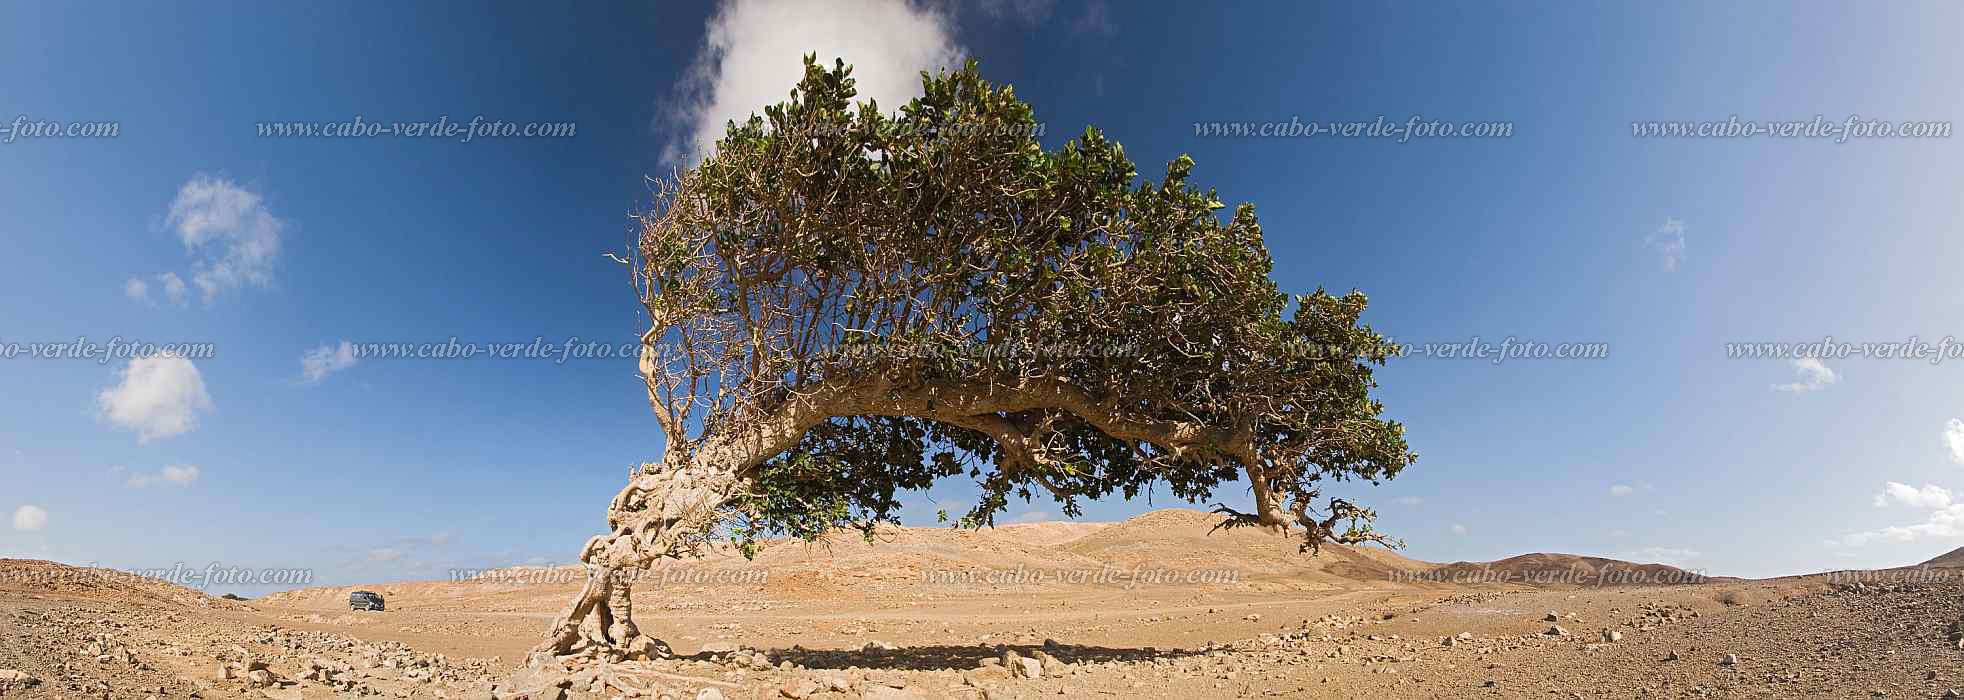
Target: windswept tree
845, 304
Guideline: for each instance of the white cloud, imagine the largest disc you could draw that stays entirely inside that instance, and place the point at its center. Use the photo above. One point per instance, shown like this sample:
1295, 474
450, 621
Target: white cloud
1033, 516
1954, 439
1621, 490
1814, 376
158, 397
1668, 241
1458, 529
753, 49
1930, 496
385, 554
138, 290
175, 474
1668, 556
1408, 500
30, 519
1940, 523
235, 238
326, 360
174, 288
1944, 519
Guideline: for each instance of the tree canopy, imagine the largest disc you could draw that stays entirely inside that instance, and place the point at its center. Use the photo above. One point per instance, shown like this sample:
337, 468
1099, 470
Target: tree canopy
846, 304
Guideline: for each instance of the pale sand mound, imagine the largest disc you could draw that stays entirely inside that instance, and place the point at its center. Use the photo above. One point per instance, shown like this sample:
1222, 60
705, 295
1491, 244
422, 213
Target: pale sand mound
933, 562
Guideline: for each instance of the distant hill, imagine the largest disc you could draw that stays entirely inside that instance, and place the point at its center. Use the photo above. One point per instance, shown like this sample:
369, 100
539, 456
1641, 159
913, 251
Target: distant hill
1951, 559
47, 578
903, 563
1551, 569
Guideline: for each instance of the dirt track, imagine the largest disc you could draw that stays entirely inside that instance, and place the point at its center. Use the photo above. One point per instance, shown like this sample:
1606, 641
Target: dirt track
1280, 633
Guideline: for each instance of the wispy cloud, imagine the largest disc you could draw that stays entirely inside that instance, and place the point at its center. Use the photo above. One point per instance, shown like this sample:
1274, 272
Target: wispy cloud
319, 362
1954, 439
1930, 496
1945, 518
172, 474
1813, 376
138, 289
30, 518
1669, 556
1621, 490
1668, 241
233, 238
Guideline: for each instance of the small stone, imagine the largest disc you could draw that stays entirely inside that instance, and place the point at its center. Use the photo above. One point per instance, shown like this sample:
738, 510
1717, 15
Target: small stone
1552, 617
1556, 631
1729, 660
709, 694
1027, 668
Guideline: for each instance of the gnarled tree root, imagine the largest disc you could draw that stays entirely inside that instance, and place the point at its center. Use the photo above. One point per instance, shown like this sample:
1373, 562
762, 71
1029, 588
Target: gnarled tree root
658, 515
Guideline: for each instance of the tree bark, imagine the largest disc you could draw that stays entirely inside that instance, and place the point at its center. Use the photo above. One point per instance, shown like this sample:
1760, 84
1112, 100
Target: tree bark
659, 514
1268, 502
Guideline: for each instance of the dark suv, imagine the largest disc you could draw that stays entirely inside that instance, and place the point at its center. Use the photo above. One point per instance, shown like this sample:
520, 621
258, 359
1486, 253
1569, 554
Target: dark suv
364, 600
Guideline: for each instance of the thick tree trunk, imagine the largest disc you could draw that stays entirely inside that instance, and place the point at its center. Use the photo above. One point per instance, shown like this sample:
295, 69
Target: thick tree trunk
1268, 502
660, 514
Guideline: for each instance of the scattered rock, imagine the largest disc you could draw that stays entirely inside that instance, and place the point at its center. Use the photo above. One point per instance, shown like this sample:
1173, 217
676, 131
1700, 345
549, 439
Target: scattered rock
10, 679
648, 649
260, 678
1556, 631
799, 688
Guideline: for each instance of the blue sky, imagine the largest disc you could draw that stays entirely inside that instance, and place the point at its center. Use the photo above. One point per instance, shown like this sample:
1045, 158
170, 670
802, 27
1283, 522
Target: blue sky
400, 468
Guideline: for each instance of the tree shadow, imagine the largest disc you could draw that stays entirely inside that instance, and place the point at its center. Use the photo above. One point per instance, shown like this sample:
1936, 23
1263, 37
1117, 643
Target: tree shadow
951, 657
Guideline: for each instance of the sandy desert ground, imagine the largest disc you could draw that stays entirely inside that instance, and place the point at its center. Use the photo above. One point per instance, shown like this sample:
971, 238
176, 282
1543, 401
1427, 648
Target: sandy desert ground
1152, 607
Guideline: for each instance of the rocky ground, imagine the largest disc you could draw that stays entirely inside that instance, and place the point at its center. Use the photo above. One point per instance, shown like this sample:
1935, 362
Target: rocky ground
1780, 638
